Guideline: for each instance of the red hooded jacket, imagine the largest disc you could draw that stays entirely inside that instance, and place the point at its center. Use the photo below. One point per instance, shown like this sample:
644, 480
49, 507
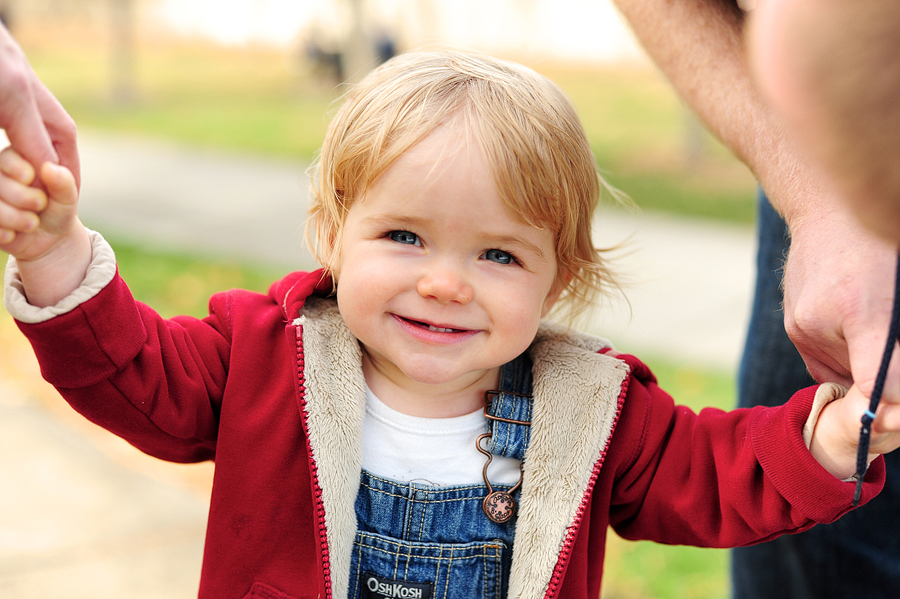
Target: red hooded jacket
270, 387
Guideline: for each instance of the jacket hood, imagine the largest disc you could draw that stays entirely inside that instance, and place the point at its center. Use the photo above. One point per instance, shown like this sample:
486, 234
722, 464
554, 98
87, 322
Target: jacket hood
292, 291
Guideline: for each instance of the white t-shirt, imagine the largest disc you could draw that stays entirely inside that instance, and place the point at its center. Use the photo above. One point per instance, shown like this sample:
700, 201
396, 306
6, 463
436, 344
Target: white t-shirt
437, 451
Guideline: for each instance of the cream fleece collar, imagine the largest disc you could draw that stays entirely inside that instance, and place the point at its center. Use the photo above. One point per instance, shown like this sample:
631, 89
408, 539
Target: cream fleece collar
576, 392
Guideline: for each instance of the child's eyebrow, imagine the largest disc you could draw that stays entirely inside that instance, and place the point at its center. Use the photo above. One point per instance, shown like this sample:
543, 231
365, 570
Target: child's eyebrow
394, 220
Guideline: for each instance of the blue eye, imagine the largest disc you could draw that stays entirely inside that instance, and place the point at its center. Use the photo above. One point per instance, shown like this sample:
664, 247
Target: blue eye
499, 256
405, 237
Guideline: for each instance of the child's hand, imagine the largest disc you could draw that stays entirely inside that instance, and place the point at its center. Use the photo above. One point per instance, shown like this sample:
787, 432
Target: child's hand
33, 221
41, 228
836, 436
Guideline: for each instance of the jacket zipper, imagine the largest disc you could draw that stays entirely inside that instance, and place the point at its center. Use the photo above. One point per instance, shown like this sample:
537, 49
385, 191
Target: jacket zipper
569, 542
320, 508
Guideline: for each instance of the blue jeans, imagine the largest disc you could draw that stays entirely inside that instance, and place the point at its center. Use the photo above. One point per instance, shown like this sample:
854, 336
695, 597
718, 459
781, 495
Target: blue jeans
420, 541
857, 556
434, 541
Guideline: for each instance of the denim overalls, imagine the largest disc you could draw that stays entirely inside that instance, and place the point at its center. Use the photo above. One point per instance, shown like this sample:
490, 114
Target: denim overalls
418, 541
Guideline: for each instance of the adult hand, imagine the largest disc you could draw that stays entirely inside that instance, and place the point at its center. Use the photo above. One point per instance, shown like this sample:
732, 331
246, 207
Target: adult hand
838, 293
35, 122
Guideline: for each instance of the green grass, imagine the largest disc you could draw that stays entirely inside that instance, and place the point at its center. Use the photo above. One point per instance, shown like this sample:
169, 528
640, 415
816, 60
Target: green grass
648, 145
174, 284
252, 101
263, 101
646, 570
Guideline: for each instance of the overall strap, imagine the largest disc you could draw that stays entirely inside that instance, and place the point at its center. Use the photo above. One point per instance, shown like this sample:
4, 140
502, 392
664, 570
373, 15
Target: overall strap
508, 410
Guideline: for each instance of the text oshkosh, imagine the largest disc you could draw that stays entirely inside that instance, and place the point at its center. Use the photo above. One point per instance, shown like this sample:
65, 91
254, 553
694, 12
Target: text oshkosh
393, 590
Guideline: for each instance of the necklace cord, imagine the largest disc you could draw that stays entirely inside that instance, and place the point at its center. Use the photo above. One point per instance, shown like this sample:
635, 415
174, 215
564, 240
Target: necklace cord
865, 431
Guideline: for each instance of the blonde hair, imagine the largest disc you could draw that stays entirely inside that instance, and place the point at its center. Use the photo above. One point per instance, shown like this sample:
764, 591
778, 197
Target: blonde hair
526, 126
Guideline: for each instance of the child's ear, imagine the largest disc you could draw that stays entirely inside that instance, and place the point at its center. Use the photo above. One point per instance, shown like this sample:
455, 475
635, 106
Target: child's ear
332, 261
558, 287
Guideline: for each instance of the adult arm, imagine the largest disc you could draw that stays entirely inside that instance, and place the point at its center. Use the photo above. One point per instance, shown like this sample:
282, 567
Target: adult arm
842, 105
838, 277
35, 122
41, 230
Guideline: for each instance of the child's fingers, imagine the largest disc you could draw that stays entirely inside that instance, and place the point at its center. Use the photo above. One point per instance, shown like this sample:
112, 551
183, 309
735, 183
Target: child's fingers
14, 166
60, 183
7, 236
20, 195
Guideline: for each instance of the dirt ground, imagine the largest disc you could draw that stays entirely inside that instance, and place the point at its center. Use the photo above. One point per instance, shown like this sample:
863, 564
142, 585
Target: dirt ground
20, 381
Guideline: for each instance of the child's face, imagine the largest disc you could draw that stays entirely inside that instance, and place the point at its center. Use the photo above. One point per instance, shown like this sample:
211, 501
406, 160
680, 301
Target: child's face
437, 280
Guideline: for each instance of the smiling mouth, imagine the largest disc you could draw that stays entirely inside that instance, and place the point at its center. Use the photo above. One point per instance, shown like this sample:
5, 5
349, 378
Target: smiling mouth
431, 327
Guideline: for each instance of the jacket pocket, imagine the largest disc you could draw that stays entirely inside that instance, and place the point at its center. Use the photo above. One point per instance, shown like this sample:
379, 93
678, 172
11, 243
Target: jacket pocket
264, 591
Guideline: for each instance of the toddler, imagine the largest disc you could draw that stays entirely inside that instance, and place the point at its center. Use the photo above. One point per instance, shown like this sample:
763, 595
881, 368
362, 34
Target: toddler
404, 422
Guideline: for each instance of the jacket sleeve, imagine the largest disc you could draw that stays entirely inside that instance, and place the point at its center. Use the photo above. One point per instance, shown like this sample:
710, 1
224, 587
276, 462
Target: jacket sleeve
157, 383
720, 479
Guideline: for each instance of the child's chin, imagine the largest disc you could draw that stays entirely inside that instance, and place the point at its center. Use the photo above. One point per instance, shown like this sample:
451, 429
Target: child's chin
434, 374
429, 377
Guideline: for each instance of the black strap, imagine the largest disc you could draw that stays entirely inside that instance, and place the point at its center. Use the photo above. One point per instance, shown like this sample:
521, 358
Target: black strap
862, 452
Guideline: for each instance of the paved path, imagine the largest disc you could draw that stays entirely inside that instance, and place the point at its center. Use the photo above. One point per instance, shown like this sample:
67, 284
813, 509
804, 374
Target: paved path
79, 520
84, 515
203, 201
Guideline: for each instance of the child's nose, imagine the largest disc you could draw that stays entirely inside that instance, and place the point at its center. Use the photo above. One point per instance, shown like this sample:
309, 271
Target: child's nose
446, 285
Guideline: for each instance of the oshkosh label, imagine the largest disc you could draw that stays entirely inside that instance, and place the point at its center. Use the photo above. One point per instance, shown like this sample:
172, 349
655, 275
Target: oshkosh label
377, 587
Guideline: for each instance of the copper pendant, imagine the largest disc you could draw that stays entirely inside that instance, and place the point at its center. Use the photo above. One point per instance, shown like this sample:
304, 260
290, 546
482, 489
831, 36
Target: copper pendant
499, 506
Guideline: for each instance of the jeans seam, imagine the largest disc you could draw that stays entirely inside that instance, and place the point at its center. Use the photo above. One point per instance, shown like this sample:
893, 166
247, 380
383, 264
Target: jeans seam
393, 482
445, 500
485, 548
449, 566
424, 508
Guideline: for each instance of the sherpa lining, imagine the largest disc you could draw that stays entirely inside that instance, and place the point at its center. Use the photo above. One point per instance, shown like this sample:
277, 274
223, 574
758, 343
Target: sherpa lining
100, 272
825, 394
576, 393
335, 404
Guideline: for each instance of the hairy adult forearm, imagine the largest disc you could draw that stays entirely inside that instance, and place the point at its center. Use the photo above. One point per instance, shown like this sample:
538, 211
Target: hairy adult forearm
699, 46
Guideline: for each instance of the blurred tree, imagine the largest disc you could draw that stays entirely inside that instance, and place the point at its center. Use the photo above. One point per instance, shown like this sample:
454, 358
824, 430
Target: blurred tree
359, 53
5, 13
122, 36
